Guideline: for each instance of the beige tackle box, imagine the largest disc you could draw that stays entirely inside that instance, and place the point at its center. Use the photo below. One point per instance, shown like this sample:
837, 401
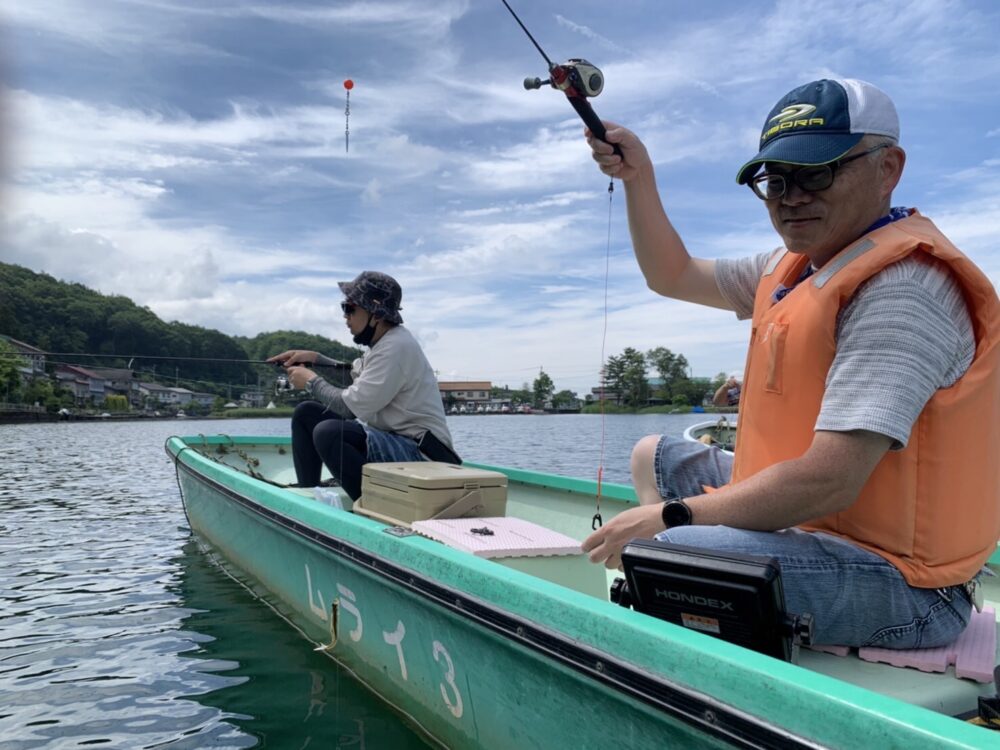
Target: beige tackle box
401, 493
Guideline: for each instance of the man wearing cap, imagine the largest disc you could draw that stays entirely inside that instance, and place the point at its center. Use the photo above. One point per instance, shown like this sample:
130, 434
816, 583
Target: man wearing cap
874, 349
394, 394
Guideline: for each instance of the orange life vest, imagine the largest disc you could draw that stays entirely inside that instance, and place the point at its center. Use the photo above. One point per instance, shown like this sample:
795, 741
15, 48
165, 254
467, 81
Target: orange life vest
931, 509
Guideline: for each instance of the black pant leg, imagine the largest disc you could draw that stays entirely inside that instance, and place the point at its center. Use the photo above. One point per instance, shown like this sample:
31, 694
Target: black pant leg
343, 447
308, 463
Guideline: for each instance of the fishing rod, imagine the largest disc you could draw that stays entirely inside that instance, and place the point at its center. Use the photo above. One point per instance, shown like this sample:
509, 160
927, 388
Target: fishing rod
132, 357
281, 385
576, 78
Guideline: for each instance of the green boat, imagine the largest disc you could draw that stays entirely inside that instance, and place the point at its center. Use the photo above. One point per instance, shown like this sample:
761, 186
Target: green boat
529, 652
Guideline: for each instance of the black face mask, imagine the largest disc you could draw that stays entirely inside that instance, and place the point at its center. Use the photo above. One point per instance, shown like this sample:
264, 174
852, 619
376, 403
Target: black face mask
368, 332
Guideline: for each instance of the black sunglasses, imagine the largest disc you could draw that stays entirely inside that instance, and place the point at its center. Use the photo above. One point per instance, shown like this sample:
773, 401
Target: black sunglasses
769, 186
348, 308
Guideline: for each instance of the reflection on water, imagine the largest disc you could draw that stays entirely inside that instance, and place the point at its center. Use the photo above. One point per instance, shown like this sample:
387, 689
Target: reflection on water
115, 630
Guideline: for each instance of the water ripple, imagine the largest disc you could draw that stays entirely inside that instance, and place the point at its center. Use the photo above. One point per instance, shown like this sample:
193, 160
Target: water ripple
115, 630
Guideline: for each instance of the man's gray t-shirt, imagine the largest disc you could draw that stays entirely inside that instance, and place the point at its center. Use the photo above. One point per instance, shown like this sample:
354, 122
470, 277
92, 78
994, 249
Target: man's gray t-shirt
904, 334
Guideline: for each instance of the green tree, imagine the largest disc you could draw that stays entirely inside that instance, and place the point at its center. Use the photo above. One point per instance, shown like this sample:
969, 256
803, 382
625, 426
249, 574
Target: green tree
563, 398
116, 402
523, 395
614, 378
693, 391
10, 361
40, 391
626, 376
542, 389
672, 369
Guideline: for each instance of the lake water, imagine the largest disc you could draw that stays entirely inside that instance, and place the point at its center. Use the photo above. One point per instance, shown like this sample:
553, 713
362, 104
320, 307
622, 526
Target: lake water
115, 631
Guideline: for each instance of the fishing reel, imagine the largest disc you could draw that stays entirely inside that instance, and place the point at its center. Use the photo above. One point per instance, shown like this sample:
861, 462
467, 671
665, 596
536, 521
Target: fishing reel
282, 385
575, 77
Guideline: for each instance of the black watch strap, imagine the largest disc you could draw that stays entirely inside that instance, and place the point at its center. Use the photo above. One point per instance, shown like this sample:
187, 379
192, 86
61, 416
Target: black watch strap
675, 513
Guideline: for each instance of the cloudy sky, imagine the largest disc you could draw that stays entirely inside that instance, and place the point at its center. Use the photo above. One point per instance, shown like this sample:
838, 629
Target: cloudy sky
191, 155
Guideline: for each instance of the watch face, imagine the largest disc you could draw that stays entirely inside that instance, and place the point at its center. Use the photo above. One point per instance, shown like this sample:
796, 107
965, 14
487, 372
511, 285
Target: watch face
676, 513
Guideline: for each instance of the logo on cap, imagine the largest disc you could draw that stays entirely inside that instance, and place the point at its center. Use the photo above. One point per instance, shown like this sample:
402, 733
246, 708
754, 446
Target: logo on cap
792, 116
794, 110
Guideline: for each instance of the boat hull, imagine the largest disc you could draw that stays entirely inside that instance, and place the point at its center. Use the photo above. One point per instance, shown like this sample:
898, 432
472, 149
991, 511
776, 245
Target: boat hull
478, 655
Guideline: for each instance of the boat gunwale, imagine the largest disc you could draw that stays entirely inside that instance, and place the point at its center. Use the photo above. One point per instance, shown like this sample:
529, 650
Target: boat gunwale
543, 638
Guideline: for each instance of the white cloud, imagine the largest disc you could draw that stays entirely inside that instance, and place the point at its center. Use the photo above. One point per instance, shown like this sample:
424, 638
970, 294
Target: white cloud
372, 194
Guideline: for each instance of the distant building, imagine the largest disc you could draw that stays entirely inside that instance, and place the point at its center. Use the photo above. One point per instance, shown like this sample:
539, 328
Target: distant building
34, 358
166, 394
205, 399
609, 396
468, 395
253, 398
120, 381
85, 384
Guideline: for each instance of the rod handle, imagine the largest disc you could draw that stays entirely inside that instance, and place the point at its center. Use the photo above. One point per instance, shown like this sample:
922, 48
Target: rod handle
590, 118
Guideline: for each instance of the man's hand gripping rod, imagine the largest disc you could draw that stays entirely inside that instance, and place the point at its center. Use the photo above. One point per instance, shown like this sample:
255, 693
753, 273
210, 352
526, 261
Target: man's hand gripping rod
576, 78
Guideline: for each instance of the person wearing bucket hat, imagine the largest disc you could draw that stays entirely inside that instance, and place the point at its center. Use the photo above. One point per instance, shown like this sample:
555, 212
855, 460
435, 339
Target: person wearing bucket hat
874, 347
392, 411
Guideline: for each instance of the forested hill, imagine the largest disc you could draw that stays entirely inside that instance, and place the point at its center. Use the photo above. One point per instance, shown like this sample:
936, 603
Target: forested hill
57, 316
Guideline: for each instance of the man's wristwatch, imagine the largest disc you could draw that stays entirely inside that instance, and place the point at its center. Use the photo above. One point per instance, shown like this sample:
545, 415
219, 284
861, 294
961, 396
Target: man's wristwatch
675, 513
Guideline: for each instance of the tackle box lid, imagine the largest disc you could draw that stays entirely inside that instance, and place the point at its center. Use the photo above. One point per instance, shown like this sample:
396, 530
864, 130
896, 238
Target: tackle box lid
431, 475
498, 537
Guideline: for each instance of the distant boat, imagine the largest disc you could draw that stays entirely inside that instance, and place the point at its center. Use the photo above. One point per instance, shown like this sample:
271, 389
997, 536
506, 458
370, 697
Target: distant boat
528, 651
719, 432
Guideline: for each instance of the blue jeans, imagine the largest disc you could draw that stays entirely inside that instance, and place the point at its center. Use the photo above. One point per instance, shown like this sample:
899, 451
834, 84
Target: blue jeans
856, 597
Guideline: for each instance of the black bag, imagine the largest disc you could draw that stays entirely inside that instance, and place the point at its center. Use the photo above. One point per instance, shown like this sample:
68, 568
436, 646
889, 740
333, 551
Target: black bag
435, 450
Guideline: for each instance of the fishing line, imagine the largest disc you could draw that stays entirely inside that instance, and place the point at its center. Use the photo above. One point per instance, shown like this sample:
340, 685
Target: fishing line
597, 521
579, 80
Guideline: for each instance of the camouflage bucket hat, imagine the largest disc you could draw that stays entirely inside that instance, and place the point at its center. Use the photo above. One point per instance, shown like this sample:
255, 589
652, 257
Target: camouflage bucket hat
377, 293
